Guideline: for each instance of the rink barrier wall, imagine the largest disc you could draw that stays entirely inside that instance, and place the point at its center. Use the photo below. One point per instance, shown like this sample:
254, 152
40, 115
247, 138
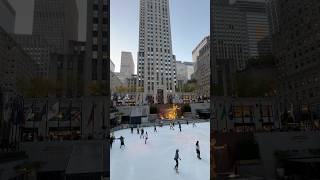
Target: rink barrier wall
165, 123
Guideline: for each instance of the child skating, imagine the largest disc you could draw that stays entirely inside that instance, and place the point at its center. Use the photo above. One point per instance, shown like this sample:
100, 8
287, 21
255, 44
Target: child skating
198, 150
146, 138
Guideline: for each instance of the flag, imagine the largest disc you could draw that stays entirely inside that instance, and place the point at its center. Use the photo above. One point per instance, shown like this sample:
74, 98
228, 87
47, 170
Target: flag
68, 112
29, 113
223, 114
103, 113
91, 117
230, 112
17, 111
76, 116
53, 111
43, 112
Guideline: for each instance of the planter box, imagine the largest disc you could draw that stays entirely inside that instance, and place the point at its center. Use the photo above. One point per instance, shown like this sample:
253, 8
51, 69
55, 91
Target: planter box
188, 115
153, 117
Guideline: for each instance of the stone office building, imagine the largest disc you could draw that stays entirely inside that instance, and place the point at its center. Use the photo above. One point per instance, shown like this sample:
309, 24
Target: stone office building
296, 47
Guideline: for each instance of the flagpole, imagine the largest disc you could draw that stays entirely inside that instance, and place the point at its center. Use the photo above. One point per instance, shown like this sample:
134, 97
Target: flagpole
33, 123
17, 119
93, 119
47, 109
70, 117
81, 128
59, 116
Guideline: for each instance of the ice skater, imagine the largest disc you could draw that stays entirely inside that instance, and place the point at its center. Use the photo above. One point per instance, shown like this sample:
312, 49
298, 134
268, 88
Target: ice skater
155, 128
171, 126
111, 141
142, 133
177, 158
146, 138
122, 142
198, 150
179, 125
194, 124
187, 122
131, 130
138, 130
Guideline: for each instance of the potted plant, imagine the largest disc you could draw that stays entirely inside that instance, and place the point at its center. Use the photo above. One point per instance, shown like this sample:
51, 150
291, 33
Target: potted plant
186, 109
153, 113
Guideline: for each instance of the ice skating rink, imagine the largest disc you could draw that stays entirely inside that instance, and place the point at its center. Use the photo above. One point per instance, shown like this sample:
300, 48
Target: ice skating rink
154, 160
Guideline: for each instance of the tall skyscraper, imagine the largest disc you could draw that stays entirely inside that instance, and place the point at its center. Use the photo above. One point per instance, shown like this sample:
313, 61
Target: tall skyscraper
156, 62
257, 24
97, 64
7, 16
228, 34
57, 22
127, 64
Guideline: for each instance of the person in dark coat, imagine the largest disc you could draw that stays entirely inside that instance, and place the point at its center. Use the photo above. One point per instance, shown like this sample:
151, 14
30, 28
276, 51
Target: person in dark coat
111, 141
177, 158
122, 142
198, 150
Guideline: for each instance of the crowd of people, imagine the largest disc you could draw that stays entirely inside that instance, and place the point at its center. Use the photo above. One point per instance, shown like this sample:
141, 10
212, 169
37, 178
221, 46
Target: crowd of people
144, 135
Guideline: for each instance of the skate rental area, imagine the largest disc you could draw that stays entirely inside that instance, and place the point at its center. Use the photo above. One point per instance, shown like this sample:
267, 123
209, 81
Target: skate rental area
154, 158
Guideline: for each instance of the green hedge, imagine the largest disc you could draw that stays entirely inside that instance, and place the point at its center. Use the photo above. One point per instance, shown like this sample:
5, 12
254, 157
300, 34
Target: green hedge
153, 110
186, 108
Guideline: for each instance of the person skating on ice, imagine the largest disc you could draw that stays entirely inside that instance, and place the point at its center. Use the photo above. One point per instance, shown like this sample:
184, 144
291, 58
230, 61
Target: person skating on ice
171, 126
187, 122
138, 130
198, 149
194, 124
146, 138
155, 128
142, 133
177, 158
122, 142
131, 130
111, 141
179, 125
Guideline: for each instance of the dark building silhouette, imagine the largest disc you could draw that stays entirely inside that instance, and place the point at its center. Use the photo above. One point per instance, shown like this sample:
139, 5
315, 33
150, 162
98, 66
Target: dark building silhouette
296, 47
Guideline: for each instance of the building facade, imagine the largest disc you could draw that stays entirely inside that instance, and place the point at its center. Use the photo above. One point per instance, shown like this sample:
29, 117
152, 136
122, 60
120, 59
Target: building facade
38, 49
203, 71
97, 70
17, 67
156, 62
296, 48
257, 25
57, 22
127, 64
190, 69
228, 34
195, 51
182, 75
112, 66
7, 16
66, 72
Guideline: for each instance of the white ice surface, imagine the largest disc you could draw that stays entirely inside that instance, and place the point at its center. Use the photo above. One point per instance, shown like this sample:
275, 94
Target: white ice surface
154, 160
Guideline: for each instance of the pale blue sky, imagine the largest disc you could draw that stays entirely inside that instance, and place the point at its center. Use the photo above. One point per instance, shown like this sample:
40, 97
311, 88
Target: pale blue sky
190, 23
